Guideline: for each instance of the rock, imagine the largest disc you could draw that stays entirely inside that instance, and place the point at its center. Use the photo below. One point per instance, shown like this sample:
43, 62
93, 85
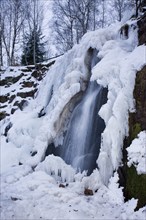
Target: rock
15, 199
4, 98
3, 114
142, 29
37, 74
41, 113
28, 84
33, 153
3, 106
88, 192
12, 98
134, 184
25, 70
10, 80
61, 185
13, 110
21, 104
27, 94
124, 31
7, 128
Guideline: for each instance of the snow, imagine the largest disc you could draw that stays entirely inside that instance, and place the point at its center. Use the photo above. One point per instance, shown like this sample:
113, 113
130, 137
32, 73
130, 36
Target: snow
12, 89
117, 71
137, 153
56, 167
8, 150
30, 184
37, 195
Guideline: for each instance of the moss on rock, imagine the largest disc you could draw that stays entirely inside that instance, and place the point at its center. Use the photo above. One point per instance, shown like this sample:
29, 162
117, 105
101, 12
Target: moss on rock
136, 186
136, 128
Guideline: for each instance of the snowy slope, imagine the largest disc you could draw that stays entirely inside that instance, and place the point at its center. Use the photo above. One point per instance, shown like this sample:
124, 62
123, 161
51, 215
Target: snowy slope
31, 183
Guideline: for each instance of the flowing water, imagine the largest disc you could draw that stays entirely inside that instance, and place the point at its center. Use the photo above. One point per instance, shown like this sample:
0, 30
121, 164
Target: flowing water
82, 140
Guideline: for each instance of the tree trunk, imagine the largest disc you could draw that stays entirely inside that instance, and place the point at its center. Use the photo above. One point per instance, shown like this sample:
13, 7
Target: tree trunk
1, 52
34, 49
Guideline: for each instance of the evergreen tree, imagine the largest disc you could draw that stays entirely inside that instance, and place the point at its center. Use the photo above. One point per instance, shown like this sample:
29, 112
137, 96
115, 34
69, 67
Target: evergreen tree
33, 46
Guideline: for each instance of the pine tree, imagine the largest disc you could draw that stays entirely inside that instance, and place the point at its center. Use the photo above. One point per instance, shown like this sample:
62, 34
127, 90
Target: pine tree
35, 37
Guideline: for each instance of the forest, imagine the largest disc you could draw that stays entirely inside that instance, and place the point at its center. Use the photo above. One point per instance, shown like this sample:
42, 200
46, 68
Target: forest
25, 39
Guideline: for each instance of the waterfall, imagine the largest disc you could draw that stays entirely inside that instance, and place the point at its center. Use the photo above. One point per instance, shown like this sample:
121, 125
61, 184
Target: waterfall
82, 141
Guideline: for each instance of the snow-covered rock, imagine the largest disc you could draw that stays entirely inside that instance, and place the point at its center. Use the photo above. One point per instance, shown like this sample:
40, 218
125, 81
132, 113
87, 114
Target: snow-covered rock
137, 153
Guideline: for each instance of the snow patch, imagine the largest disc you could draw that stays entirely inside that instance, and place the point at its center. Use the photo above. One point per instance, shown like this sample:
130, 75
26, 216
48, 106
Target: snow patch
57, 168
137, 153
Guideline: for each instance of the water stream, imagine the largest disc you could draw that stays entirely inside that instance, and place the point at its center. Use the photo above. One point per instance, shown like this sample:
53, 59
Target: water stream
82, 141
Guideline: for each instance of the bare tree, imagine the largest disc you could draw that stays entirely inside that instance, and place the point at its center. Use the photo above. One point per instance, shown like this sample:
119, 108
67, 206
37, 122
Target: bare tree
120, 6
72, 19
137, 6
63, 23
1, 30
12, 18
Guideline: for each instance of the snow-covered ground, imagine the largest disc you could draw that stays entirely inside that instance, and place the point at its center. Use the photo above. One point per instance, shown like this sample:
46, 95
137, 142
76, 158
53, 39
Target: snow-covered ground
28, 194
30, 186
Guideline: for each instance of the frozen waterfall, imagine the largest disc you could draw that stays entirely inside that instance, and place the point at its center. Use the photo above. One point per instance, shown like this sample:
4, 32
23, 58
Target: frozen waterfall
82, 140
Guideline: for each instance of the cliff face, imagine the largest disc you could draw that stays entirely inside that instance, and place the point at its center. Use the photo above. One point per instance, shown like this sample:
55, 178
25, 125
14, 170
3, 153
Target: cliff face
134, 184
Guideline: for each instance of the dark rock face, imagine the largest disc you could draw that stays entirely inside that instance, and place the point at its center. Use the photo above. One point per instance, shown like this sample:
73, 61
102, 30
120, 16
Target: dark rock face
134, 184
139, 117
142, 28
